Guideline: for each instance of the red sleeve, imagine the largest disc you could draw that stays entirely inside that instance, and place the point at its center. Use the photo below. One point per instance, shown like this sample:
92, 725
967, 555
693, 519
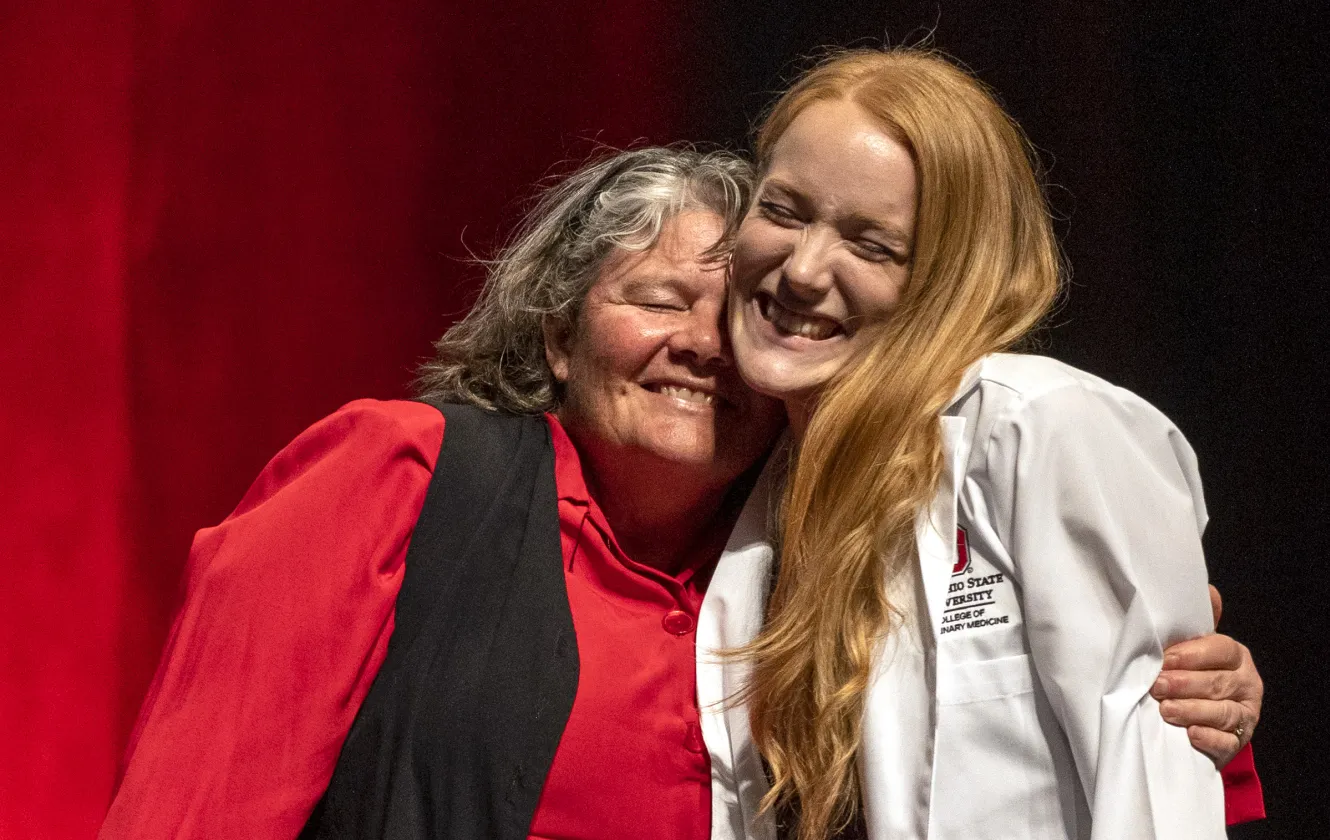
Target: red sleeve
1243, 799
287, 614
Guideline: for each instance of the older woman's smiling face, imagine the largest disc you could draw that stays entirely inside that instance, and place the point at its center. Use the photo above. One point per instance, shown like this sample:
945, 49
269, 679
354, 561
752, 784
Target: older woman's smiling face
648, 373
824, 252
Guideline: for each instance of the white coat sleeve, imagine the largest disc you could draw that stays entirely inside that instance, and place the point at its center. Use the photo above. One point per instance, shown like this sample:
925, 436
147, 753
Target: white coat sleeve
1101, 503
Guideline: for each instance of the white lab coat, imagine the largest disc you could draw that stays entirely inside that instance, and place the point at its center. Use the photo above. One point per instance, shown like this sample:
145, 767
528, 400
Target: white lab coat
1061, 555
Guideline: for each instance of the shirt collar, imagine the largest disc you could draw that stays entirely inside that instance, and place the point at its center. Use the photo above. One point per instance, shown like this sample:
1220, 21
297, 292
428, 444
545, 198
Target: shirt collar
568, 479
570, 484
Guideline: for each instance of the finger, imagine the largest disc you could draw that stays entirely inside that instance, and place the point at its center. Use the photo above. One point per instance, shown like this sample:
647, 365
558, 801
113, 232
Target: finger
1216, 714
1202, 685
1216, 604
1215, 652
1219, 746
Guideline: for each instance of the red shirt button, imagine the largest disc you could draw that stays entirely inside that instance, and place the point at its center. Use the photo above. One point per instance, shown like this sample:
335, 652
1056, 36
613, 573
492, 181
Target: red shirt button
678, 622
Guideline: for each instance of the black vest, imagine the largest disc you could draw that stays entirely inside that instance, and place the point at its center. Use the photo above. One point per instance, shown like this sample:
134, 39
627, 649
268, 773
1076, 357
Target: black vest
459, 729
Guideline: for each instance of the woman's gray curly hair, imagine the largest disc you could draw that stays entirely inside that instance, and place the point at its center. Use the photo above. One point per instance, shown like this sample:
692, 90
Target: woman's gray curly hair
495, 356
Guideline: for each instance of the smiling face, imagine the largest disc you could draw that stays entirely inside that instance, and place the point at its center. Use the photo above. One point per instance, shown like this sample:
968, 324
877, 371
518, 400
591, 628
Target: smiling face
824, 252
647, 372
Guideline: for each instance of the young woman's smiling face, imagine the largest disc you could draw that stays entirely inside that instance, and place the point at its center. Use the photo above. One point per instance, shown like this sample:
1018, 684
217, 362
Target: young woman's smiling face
824, 252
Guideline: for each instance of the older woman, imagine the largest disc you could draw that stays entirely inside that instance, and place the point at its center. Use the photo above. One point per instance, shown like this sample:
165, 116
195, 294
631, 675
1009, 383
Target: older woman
984, 555
499, 585
533, 646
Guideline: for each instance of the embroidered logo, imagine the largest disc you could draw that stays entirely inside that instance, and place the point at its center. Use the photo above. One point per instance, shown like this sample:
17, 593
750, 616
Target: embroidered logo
962, 553
979, 595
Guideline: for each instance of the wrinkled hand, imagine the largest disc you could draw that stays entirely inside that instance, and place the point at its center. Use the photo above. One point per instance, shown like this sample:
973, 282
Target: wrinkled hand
1210, 685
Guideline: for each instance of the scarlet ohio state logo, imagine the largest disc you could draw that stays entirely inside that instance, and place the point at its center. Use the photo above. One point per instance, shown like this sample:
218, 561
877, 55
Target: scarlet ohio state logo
962, 553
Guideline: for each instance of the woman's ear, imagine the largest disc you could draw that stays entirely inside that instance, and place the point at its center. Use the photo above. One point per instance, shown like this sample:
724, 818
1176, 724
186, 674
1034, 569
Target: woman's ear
558, 336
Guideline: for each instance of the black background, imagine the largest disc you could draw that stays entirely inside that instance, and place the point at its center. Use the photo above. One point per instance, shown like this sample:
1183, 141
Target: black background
1185, 144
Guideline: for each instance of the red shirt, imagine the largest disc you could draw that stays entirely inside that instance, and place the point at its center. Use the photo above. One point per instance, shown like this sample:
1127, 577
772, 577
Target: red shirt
286, 621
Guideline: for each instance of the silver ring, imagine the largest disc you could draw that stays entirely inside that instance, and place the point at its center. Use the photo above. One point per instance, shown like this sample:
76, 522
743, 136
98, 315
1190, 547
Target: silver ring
1239, 732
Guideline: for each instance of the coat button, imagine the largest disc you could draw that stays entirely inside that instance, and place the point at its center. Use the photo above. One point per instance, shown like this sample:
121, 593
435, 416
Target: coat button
678, 622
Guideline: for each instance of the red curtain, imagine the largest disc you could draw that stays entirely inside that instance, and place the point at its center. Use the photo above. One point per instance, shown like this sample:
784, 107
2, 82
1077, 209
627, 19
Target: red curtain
218, 221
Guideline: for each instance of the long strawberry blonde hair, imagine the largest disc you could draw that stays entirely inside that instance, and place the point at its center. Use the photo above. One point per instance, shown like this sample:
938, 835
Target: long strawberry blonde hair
985, 271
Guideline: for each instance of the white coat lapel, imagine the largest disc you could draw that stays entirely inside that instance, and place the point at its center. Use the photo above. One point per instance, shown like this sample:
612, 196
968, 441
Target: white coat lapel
936, 529
731, 616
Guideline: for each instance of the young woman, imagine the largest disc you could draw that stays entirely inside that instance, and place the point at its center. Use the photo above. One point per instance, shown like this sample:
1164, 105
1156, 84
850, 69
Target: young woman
982, 555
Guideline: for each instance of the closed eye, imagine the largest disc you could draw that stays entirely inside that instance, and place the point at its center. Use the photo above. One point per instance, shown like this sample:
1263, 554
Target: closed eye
656, 294
875, 251
662, 307
778, 213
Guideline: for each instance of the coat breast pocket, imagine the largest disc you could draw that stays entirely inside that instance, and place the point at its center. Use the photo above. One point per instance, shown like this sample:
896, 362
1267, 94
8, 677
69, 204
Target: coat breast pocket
994, 772
991, 679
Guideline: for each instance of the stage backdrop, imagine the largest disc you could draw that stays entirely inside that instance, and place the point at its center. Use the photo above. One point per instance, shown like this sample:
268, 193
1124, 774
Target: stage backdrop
219, 220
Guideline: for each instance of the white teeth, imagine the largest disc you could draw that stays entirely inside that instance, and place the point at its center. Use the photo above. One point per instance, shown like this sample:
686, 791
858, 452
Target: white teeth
792, 323
687, 394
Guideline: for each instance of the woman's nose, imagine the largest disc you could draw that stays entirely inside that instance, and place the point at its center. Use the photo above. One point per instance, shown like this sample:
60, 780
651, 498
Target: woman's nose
701, 339
807, 269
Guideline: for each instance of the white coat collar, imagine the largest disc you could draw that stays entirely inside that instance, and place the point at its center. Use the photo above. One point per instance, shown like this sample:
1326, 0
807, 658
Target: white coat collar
968, 381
